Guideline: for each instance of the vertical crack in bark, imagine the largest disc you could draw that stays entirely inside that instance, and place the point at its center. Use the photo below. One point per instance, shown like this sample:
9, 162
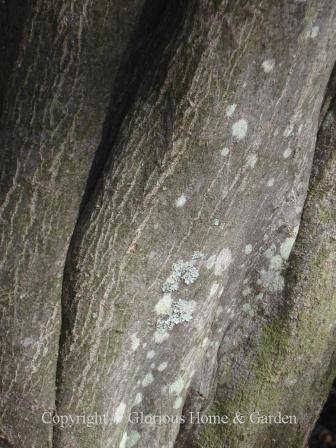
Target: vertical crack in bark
159, 22
12, 16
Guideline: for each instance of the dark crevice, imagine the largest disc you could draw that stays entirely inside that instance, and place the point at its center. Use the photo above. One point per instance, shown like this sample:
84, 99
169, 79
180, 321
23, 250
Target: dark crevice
159, 21
12, 17
324, 433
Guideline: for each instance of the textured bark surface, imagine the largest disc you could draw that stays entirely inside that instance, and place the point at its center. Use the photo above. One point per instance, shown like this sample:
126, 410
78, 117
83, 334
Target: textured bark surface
56, 83
288, 363
177, 219
194, 217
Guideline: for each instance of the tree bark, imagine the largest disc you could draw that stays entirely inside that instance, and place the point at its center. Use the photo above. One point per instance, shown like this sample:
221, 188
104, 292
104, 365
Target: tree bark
194, 217
55, 88
287, 363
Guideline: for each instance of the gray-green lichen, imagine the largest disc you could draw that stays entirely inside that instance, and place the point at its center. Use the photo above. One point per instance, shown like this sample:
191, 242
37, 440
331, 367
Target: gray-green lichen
182, 270
181, 311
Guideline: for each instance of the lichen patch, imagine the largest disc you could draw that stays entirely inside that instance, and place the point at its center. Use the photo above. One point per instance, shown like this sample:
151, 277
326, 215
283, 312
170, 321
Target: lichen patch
162, 366
230, 110
181, 312
123, 441
248, 249
132, 439
148, 379
239, 129
138, 399
177, 386
225, 151
181, 201
268, 65
314, 32
150, 354
287, 153
185, 271
252, 160
178, 403
135, 342
163, 306
286, 247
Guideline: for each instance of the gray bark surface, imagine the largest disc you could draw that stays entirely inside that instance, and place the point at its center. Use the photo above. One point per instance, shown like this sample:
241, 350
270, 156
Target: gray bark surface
55, 100
284, 361
180, 239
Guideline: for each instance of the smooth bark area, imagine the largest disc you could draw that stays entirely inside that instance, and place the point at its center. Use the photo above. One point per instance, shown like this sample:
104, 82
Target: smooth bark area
56, 82
194, 217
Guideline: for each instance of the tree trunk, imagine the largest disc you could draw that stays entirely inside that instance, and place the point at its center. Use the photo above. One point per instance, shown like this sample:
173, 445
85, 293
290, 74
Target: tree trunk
65, 62
195, 215
164, 237
286, 362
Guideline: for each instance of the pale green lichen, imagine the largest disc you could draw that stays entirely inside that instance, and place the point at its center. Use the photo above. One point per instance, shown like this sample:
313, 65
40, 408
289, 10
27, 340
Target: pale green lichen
177, 386
181, 312
184, 271
132, 439
148, 379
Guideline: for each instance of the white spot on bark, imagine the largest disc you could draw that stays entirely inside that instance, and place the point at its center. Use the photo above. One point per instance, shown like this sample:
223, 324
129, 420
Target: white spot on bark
239, 129
181, 201
286, 247
287, 153
246, 292
148, 379
162, 366
270, 182
268, 65
177, 403
177, 386
205, 341
123, 441
252, 160
135, 342
290, 381
151, 354
276, 263
216, 222
119, 413
230, 110
314, 31
164, 305
225, 151
138, 399
248, 309
248, 249
223, 261
132, 439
